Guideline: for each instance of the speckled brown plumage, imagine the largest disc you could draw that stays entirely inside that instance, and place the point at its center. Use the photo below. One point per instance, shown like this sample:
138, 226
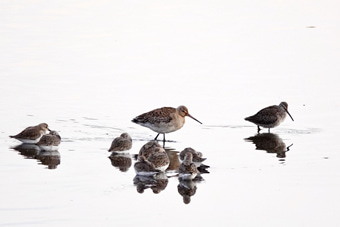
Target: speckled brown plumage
159, 159
148, 148
121, 143
187, 169
51, 139
196, 156
270, 116
144, 167
32, 134
164, 120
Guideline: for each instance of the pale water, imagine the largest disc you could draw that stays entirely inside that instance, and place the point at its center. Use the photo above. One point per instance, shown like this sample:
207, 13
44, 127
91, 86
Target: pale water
88, 67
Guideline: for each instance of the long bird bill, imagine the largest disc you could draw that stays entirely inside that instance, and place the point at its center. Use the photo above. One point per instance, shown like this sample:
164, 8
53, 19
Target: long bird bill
196, 119
289, 114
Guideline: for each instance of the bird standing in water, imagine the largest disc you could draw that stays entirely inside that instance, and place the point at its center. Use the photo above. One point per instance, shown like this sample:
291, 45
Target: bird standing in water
270, 116
164, 120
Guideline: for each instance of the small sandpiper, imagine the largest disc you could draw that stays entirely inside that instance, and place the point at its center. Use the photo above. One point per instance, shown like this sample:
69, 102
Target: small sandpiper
270, 116
50, 142
187, 170
145, 168
164, 120
148, 148
121, 143
196, 156
159, 159
32, 134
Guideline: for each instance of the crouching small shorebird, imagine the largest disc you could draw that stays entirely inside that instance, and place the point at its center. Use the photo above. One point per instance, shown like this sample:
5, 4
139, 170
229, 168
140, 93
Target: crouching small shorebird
270, 116
50, 142
121, 143
164, 120
32, 134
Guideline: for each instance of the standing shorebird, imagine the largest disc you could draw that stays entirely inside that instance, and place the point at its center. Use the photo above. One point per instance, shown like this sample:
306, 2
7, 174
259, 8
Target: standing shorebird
270, 116
50, 142
164, 120
32, 134
121, 143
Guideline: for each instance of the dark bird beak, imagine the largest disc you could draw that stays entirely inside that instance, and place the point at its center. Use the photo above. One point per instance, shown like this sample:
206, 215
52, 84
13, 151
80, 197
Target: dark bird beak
194, 118
289, 114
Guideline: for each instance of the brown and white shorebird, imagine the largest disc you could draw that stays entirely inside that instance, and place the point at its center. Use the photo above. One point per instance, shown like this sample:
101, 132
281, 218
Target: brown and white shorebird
50, 142
196, 156
270, 116
32, 134
164, 120
159, 159
148, 148
145, 168
121, 143
187, 170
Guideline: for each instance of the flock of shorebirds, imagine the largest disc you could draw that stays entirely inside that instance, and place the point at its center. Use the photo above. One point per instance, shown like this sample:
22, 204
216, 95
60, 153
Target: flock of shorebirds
152, 157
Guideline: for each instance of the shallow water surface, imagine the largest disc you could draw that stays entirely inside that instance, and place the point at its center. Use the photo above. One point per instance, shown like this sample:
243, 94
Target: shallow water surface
88, 68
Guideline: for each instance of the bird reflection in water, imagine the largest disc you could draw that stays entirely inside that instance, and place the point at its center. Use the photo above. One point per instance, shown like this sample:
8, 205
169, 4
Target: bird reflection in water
31, 151
121, 161
156, 182
271, 143
187, 188
148, 177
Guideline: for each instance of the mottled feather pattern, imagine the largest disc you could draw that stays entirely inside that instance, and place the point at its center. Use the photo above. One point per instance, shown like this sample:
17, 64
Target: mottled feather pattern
49, 140
160, 115
121, 143
159, 159
28, 133
265, 116
144, 165
148, 148
196, 156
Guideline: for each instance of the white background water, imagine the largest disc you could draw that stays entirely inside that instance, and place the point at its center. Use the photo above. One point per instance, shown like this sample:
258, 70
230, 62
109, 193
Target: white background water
88, 67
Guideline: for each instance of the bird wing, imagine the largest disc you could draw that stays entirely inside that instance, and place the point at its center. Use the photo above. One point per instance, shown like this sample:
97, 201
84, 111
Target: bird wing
28, 133
160, 158
157, 116
265, 116
46, 140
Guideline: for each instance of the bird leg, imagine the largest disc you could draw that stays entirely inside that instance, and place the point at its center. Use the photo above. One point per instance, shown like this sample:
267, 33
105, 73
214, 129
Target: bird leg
156, 136
163, 139
258, 129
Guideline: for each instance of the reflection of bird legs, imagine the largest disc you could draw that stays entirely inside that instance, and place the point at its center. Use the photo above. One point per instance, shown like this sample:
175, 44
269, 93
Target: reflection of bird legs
258, 129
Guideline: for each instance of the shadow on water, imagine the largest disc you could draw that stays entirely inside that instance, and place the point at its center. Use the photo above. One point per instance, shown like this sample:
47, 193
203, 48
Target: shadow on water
271, 143
31, 151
